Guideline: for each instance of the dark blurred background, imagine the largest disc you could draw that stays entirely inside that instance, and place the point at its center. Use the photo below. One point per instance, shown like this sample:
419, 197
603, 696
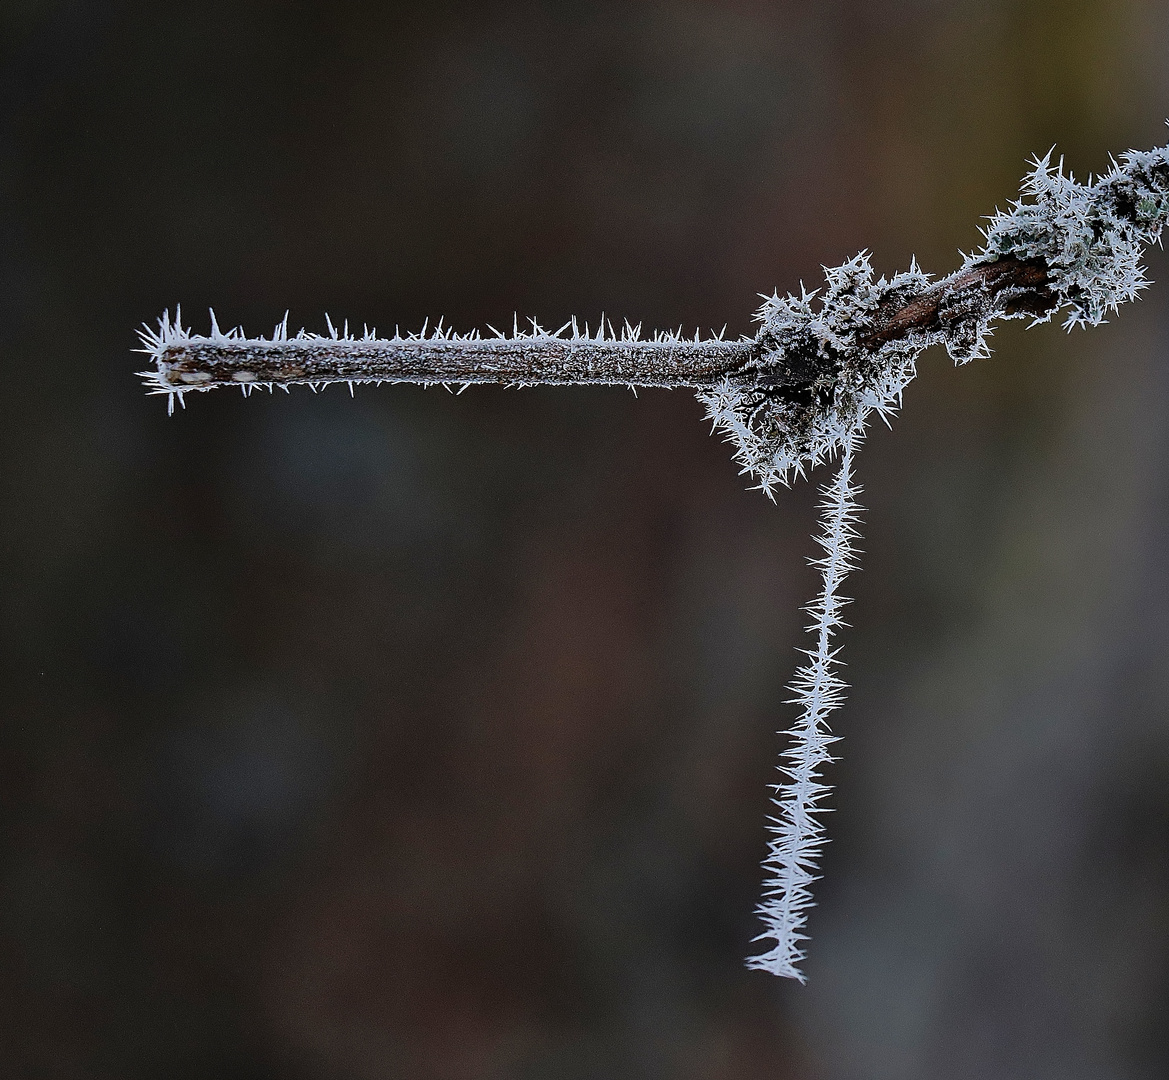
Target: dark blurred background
428, 737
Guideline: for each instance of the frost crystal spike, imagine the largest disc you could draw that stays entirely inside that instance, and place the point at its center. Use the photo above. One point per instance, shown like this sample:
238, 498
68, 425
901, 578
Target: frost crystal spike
798, 393
797, 836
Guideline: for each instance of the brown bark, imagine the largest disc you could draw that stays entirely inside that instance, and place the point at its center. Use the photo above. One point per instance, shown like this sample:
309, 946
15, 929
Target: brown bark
1008, 286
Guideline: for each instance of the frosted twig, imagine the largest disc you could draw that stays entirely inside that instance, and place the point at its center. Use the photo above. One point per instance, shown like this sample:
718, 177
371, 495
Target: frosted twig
797, 835
798, 393
570, 355
821, 361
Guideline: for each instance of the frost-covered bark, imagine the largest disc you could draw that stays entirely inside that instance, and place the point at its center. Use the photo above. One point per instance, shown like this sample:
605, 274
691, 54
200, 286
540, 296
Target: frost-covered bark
568, 356
828, 361
821, 363
799, 393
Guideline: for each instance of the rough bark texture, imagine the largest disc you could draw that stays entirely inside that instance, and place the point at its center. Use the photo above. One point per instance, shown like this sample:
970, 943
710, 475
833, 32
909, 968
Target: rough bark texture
204, 363
1009, 285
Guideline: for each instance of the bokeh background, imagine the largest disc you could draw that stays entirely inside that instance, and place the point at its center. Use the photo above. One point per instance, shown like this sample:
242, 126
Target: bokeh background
428, 737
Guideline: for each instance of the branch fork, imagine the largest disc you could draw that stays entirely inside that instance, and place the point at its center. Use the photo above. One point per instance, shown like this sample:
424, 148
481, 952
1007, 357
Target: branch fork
798, 393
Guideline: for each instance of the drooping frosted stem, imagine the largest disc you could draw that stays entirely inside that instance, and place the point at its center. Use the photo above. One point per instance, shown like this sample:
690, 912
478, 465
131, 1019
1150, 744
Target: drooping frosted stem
797, 834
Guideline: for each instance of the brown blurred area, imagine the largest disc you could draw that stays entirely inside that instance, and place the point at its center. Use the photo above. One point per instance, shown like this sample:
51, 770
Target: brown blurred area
428, 737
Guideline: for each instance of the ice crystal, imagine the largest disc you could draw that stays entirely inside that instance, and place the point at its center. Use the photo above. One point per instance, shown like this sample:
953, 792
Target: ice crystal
797, 834
820, 375
1091, 237
813, 388
436, 355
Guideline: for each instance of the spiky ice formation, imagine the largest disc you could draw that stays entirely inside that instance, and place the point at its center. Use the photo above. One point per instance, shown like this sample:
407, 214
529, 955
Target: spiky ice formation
1090, 236
827, 362
437, 355
813, 386
797, 834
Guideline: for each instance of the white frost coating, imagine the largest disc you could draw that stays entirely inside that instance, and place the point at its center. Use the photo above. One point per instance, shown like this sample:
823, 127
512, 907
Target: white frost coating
435, 356
1090, 238
797, 835
172, 332
776, 439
